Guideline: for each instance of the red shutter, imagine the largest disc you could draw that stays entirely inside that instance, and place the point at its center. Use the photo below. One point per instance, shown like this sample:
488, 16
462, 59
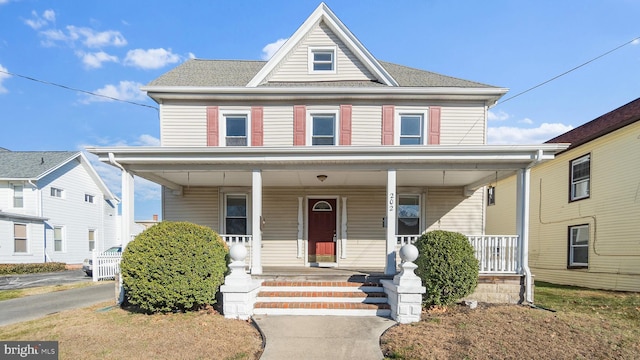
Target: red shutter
387, 124
345, 124
434, 125
299, 124
257, 129
212, 126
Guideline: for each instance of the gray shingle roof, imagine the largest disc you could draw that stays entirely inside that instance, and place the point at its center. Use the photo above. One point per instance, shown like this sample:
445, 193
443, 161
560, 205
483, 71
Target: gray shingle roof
31, 164
237, 73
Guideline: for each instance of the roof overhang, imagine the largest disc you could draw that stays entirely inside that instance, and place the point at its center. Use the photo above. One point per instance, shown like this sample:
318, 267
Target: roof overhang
488, 95
22, 217
471, 166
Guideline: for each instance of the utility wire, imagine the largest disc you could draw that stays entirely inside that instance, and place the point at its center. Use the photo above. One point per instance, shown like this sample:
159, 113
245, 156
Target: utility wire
79, 90
568, 71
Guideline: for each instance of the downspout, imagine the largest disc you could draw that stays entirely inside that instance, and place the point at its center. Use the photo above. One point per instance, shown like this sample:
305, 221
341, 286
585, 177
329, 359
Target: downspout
525, 242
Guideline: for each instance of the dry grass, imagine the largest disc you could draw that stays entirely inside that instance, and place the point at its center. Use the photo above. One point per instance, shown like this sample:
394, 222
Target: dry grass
104, 332
18, 293
599, 325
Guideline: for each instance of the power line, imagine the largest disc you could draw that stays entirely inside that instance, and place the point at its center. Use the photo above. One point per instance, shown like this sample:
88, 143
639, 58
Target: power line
568, 71
78, 90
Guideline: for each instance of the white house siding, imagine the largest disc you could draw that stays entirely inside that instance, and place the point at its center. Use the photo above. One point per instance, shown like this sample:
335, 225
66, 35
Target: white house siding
72, 213
462, 124
198, 205
366, 125
278, 125
183, 125
30, 198
35, 250
295, 66
448, 209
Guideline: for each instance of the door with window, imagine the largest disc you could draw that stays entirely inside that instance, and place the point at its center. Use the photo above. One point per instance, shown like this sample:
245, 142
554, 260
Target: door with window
322, 230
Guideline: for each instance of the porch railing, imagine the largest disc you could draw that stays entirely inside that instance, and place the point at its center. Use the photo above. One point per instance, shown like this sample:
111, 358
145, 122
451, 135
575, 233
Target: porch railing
246, 240
495, 253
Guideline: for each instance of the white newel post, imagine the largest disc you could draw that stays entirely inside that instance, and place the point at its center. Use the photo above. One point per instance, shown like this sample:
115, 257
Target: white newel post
256, 222
390, 267
404, 292
239, 291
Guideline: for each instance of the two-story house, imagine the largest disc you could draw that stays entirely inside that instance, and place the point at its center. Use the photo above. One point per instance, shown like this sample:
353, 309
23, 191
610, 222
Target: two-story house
585, 206
53, 207
323, 155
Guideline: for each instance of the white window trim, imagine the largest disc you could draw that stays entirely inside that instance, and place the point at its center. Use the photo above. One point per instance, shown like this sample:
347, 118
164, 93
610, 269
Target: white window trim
410, 110
63, 246
62, 192
572, 263
223, 125
572, 163
223, 211
28, 243
95, 238
93, 198
336, 125
312, 49
13, 196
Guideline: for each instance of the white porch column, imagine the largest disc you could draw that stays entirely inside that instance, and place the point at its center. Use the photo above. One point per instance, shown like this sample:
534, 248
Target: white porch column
256, 221
127, 218
522, 228
390, 267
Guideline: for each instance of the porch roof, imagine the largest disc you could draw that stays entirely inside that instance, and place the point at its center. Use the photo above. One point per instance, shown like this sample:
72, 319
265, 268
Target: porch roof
471, 166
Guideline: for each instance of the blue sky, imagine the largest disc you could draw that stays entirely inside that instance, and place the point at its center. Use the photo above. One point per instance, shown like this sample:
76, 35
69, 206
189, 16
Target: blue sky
113, 47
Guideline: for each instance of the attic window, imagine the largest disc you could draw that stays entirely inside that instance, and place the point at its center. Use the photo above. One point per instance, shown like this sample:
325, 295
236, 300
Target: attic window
322, 60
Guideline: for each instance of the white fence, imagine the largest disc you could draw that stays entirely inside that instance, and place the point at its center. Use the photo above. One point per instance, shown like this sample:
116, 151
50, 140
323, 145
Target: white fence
105, 265
240, 239
495, 253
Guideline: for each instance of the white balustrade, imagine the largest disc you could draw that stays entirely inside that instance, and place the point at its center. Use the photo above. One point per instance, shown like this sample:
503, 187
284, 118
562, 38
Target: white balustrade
245, 240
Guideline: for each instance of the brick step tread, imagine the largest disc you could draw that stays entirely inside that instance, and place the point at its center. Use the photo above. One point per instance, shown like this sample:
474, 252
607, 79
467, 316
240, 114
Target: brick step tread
354, 294
321, 283
321, 305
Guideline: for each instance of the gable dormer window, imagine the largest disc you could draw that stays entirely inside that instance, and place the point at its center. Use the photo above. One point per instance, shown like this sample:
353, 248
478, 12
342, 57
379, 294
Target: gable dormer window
322, 60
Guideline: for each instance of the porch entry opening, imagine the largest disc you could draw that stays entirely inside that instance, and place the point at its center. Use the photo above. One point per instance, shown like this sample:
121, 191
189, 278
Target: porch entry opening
322, 230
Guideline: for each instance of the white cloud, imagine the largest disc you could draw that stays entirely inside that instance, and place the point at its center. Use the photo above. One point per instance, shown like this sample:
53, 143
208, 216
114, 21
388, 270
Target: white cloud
148, 140
512, 135
3, 77
150, 59
96, 59
192, 55
37, 21
635, 41
497, 115
96, 39
526, 121
125, 90
2, 2
270, 49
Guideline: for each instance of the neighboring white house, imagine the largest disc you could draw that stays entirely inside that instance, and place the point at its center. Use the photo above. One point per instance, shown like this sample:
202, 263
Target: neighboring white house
326, 156
53, 207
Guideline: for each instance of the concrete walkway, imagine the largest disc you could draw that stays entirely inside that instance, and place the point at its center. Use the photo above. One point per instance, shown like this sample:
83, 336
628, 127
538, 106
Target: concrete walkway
36, 306
322, 337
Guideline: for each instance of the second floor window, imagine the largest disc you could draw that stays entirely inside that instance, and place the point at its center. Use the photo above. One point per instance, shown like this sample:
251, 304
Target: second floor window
323, 129
580, 178
18, 196
88, 198
55, 192
411, 129
236, 130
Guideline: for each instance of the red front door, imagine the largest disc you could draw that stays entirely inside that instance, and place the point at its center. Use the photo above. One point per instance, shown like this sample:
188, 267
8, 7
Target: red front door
322, 230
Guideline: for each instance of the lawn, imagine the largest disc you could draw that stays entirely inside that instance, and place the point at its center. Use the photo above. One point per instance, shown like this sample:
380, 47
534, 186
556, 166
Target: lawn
579, 324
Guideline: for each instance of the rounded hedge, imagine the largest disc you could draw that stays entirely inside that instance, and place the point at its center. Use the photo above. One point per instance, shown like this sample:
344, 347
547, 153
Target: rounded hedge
447, 267
174, 266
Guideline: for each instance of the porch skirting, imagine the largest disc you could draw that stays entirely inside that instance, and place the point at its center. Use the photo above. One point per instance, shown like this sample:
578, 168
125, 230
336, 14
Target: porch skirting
500, 289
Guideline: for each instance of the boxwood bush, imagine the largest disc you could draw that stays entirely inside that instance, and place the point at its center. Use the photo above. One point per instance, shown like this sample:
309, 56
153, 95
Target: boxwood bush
174, 267
447, 267
11, 269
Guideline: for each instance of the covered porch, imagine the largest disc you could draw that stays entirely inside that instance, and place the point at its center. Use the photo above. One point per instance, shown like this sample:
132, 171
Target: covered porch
378, 198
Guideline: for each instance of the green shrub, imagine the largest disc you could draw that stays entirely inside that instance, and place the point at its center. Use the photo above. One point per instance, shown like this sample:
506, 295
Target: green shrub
174, 266
447, 267
11, 269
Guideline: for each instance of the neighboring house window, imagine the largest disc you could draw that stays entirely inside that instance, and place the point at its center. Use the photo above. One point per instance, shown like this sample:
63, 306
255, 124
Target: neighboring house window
18, 196
20, 238
55, 192
322, 60
88, 198
410, 126
92, 239
236, 215
408, 215
491, 195
579, 246
236, 130
57, 238
323, 129
580, 177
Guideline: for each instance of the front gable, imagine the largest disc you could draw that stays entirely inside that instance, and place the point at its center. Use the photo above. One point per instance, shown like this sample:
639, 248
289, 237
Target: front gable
322, 32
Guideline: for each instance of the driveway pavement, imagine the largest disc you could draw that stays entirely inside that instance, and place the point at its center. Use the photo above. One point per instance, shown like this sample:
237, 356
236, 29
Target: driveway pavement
36, 306
23, 281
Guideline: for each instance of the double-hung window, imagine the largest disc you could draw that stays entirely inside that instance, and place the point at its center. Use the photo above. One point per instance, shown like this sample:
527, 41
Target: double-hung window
235, 214
57, 238
579, 246
55, 192
408, 215
411, 129
323, 129
236, 130
92, 239
580, 178
322, 60
89, 198
18, 196
19, 238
